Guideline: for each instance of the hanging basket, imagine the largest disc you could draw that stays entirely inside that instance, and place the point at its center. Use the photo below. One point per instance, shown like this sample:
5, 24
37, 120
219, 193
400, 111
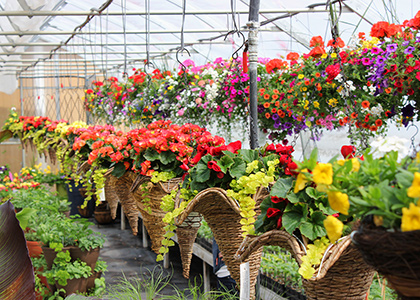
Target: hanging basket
222, 214
395, 255
122, 189
187, 233
342, 275
148, 203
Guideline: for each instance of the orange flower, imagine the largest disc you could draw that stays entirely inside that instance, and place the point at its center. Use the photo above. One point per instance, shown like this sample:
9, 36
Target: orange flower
373, 128
262, 90
281, 113
353, 115
365, 104
273, 110
338, 42
266, 104
292, 56
316, 41
267, 115
277, 104
317, 74
388, 90
275, 97
276, 91
378, 122
266, 96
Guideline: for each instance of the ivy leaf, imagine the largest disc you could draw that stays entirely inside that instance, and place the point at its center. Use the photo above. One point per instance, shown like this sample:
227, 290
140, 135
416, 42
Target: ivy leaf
314, 227
249, 155
238, 168
119, 170
294, 216
282, 187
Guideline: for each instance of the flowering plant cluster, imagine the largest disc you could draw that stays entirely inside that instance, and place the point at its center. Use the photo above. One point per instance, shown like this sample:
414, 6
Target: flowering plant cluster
10, 182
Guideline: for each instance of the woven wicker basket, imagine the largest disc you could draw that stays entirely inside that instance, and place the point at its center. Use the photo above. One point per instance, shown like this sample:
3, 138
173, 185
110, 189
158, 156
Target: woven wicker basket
222, 214
151, 212
110, 195
187, 233
395, 255
342, 275
122, 187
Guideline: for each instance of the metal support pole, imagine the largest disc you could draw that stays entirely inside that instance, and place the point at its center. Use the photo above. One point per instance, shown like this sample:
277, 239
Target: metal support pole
206, 277
57, 91
22, 114
253, 26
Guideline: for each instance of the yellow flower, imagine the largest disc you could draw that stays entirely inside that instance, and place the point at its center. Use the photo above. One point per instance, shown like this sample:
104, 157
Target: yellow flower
332, 102
322, 174
301, 76
339, 202
333, 55
410, 218
356, 164
334, 228
341, 162
378, 220
325, 55
414, 190
316, 104
300, 181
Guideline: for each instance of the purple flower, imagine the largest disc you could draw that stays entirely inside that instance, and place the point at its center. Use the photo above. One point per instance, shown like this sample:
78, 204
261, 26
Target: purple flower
406, 43
409, 50
275, 117
380, 60
376, 50
391, 48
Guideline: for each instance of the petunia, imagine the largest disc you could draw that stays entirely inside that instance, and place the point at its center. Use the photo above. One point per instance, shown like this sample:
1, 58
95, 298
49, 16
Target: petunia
334, 228
414, 190
339, 202
410, 218
322, 174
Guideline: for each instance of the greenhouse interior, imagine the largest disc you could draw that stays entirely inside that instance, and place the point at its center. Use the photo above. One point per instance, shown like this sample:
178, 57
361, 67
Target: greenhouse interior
180, 149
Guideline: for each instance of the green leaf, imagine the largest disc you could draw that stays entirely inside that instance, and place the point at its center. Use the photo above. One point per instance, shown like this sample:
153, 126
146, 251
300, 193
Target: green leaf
238, 168
293, 198
24, 215
294, 216
281, 187
16, 273
5, 135
203, 172
249, 155
314, 227
151, 154
313, 193
326, 210
119, 170
224, 163
166, 157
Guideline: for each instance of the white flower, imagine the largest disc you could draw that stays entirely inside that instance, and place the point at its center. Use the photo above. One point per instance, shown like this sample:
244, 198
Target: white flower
380, 146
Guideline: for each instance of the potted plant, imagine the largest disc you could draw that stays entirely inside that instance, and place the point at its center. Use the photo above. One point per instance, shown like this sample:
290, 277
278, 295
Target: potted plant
100, 268
67, 274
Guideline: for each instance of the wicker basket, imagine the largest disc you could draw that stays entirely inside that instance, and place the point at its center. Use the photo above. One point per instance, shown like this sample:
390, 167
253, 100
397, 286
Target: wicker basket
395, 255
342, 275
151, 212
222, 214
110, 195
122, 187
187, 232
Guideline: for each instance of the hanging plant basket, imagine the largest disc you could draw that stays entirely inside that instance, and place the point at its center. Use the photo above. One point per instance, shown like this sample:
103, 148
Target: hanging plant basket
151, 212
122, 187
342, 275
111, 196
222, 214
187, 233
395, 255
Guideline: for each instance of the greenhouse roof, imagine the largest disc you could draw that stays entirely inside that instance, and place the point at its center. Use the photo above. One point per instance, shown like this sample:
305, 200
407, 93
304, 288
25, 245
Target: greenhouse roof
83, 38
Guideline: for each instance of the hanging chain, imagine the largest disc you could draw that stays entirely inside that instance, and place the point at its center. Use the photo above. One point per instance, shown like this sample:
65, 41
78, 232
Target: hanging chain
147, 62
124, 20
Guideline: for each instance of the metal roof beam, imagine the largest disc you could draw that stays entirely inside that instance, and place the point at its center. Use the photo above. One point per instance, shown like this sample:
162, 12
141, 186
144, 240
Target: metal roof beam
104, 44
39, 32
44, 13
82, 53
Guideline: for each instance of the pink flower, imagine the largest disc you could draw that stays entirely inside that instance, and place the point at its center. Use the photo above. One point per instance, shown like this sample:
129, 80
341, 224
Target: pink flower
181, 112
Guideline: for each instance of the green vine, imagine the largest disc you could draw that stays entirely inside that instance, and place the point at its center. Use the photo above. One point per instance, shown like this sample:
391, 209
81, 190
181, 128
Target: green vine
314, 253
248, 185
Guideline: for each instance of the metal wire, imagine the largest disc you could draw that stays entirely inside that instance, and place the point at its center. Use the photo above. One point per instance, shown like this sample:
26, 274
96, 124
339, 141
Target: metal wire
124, 20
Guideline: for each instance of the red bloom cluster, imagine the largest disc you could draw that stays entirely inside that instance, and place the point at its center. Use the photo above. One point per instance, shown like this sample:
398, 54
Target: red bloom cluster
286, 159
275, 64
383, 29
332, 71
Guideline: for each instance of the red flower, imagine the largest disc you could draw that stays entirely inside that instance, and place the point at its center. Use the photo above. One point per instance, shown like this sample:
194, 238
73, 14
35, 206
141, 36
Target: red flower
234, 146
220, 175
292, 56
332, 71
279, 222
272, 212
348, 151
212, 165
317, 52
276, 199
338, 42
271, 147
316, 41
275, 64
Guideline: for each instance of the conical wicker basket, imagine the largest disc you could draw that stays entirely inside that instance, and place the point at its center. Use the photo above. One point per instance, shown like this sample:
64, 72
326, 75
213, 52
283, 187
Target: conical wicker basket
395, 255
151, 212
110, 195
187, 233
342, 275
222, 214
122, 187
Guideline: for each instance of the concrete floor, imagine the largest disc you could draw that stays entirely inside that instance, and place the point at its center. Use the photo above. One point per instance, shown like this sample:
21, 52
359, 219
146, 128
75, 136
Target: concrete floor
124, 254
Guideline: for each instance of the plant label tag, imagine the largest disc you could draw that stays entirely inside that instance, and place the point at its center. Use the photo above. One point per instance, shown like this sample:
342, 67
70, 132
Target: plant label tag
102, 195
244, 285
